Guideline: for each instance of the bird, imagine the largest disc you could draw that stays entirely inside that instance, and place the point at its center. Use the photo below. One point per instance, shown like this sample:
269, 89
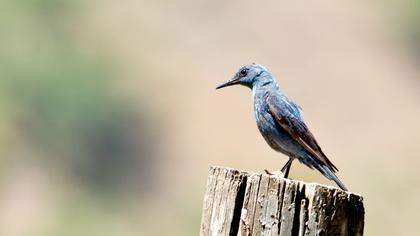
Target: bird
280, 122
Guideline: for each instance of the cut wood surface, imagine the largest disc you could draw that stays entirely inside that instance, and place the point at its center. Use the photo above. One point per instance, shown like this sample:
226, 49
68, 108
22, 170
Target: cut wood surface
244, 203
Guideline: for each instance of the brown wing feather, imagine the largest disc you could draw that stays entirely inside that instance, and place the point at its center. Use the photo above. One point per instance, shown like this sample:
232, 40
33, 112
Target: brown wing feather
298, 131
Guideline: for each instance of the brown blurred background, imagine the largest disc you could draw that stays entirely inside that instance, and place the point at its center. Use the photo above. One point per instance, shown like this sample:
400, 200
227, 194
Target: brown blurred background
109, 118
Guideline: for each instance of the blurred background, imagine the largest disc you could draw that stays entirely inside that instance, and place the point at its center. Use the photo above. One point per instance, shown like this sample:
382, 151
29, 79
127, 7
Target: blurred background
109, 118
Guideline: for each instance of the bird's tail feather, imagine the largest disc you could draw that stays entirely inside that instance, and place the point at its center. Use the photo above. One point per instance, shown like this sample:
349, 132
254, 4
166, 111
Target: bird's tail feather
308, 160
330, 175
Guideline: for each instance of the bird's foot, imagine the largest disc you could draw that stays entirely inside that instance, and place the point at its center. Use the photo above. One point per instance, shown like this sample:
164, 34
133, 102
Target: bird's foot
276, 173
268, 172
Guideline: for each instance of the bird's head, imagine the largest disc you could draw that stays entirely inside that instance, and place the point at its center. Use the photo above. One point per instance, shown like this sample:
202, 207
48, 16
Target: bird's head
247, 76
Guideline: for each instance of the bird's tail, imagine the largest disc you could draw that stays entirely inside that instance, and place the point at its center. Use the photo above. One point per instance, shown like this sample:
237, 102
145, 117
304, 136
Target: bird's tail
330, 175
323, 168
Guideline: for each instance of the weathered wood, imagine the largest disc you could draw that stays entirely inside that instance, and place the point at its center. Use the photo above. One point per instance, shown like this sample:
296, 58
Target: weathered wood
243, 203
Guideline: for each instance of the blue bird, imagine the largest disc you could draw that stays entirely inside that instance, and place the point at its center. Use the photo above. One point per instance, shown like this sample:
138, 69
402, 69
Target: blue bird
280, 122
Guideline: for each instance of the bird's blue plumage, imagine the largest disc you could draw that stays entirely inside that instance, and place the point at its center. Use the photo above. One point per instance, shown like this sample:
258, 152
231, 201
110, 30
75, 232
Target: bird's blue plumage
280, 121
276, 137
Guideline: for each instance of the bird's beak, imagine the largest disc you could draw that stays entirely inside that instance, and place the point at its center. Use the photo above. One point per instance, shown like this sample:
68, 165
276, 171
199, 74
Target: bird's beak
228, 83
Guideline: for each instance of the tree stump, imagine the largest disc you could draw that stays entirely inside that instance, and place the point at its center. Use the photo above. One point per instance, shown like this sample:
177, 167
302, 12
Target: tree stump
243, 203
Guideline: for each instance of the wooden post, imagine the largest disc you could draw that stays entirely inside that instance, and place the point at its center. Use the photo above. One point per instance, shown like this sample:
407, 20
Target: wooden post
244, 203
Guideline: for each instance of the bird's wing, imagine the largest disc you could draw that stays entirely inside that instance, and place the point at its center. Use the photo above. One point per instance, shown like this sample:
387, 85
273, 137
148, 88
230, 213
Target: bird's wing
288, 118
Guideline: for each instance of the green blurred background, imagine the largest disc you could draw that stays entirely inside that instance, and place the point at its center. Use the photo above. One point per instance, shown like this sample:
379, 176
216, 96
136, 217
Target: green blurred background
109, 119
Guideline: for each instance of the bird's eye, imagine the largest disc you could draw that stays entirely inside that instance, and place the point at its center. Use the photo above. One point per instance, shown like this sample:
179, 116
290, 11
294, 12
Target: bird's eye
243, 72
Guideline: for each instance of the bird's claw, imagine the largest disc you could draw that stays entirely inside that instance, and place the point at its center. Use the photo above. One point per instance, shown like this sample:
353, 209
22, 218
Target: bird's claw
276, 173
268, 172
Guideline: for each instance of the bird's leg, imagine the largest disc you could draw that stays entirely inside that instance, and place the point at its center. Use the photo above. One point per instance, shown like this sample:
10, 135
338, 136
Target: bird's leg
286, 167
285, 170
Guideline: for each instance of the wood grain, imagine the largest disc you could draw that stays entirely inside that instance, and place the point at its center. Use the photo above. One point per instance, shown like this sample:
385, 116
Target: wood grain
244, 203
